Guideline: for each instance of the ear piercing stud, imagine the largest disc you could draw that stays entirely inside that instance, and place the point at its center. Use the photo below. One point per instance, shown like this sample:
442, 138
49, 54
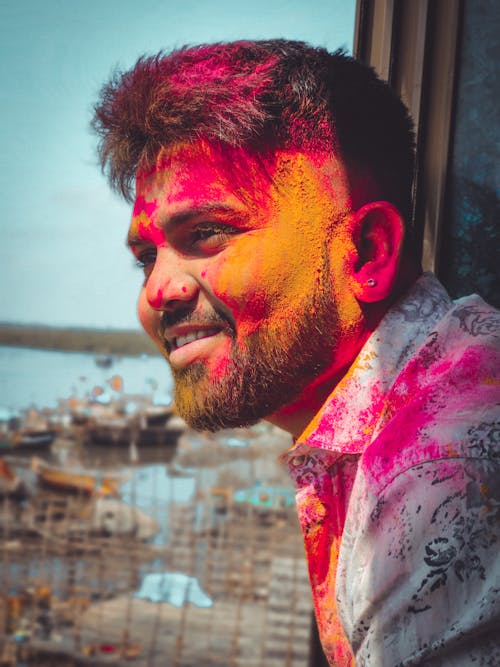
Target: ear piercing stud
371, 282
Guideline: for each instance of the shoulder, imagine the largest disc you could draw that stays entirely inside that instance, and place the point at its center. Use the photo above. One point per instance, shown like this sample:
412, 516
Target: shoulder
422, 576
478, 319
420, 559
445, 402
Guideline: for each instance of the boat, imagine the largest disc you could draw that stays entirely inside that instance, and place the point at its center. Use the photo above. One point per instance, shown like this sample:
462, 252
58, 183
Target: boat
104, 360
27, 439
120, 431
157, 415
76, 480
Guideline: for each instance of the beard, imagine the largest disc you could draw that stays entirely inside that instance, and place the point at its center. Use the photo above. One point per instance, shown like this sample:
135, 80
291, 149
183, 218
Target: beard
267, 372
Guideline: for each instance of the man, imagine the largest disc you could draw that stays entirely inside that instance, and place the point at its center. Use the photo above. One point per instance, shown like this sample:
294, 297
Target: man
272, 196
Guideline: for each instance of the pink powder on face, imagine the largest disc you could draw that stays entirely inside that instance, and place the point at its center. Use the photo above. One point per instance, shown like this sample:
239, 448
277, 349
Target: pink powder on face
143, 206
143, 221
157, 301
149, 232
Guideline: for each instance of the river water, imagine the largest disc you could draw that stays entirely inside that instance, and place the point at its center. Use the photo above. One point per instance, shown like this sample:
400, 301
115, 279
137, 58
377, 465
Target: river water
42, 377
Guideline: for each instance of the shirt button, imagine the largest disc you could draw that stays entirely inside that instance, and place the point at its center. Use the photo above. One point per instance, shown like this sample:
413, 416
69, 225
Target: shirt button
298, 461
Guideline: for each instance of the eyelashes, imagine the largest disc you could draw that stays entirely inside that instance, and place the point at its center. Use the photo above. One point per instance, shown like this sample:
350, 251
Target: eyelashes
145, 260
205, 238
211, 235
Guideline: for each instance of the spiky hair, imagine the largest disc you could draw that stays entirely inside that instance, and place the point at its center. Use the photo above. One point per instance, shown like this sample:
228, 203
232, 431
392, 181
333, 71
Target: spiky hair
261, 95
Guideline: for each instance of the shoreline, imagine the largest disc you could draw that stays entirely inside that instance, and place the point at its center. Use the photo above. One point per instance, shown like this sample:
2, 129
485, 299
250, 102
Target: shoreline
98, 341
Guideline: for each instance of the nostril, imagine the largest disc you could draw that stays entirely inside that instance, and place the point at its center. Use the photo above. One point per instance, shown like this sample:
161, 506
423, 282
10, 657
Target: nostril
165, 287
156, 301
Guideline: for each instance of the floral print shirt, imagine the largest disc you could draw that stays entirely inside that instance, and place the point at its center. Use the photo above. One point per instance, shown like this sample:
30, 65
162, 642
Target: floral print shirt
398, 480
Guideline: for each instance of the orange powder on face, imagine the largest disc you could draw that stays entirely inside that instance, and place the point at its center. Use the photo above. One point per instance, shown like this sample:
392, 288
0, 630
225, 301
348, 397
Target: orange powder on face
306, 204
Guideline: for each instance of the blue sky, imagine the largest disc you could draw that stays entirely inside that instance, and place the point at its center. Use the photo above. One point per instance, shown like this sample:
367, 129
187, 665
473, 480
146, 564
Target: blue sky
62, 256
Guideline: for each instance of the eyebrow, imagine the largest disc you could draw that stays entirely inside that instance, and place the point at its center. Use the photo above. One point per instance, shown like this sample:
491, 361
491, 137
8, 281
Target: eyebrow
225, 212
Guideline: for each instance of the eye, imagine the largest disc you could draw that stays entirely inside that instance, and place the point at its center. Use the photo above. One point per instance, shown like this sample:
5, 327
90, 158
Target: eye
211, 235
145, 260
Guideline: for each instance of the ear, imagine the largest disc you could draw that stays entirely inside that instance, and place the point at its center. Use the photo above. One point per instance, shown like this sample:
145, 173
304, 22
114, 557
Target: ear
378, 232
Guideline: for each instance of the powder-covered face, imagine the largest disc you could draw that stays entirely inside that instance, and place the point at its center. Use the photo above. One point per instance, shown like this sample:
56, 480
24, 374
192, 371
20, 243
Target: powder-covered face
242, 291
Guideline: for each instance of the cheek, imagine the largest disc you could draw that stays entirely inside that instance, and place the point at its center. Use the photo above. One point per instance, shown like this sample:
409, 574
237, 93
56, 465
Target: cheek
239, 282
265, 280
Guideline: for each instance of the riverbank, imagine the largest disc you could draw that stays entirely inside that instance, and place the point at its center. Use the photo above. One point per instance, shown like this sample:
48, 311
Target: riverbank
97, 341
222, 581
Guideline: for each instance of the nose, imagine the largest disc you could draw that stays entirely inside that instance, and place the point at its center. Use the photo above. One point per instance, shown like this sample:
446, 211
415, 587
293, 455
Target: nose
170, 283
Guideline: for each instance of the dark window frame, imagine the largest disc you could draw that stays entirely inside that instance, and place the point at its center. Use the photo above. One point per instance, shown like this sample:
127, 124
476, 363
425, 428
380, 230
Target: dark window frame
413, 44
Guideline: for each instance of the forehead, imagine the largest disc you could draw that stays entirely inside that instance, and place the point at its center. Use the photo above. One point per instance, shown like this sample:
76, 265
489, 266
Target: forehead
191, 169
192, 173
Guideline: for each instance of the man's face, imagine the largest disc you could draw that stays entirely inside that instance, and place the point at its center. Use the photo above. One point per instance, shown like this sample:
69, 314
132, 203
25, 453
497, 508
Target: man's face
240, 291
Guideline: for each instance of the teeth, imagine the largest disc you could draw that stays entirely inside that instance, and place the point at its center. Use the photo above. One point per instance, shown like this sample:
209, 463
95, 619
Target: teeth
193, 335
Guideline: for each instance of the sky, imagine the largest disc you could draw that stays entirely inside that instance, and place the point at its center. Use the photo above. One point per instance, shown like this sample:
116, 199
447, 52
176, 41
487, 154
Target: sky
63, 260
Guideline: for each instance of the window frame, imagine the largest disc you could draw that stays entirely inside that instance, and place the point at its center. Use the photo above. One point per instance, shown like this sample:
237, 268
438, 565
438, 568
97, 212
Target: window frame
414, 45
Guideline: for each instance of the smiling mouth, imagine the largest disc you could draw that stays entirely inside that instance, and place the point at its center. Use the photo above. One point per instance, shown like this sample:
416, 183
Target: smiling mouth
190, 337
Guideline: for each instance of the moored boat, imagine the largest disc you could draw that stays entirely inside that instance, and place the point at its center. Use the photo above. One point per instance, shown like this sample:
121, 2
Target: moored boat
76, 480
123, 432
104, 360
27, 440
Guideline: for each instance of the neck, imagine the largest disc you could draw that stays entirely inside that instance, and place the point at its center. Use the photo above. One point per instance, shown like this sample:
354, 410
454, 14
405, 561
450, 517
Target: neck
295, 417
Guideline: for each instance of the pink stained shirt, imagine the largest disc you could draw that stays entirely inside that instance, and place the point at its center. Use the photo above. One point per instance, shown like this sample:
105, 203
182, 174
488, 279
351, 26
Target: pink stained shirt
398, 490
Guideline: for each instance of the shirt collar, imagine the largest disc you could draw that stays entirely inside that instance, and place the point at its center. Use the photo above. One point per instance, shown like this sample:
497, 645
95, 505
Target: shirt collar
347, 421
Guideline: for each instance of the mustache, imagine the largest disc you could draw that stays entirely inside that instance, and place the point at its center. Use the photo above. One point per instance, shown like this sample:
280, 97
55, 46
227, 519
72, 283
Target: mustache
206, 317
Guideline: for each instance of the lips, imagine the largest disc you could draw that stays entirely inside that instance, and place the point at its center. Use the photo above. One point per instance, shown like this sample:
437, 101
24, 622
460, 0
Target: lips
181, 327
188, 346
191, 336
